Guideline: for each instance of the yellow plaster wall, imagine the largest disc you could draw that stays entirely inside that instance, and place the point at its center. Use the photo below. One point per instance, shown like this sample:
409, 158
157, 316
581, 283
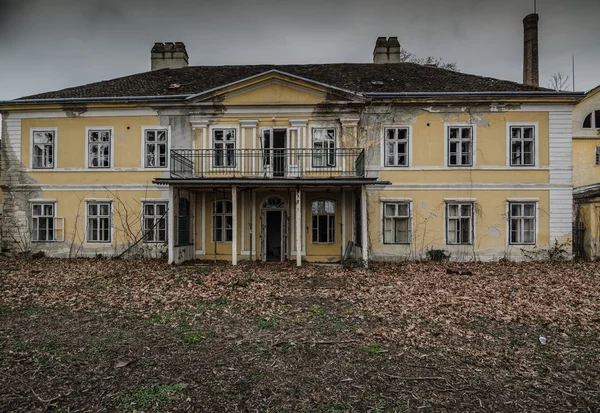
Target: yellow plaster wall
274, 93
585, 171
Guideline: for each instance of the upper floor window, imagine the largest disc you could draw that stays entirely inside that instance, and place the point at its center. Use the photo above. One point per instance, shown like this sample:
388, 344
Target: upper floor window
99, 222
592, 120
43, 151
222, 221
154, 223
396, 147
396, 223
522, 222
155, 148
597, 156
522, 146
42, 228
459, 223
99, 148
323, 222
323, 145
460, 146
224, 148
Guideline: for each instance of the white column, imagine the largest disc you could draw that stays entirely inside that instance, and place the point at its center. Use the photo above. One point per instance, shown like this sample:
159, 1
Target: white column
343, 226
234, 224
298, 227
171, 224
363, 217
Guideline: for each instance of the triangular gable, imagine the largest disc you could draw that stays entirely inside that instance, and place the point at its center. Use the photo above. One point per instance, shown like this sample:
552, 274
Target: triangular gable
275, 87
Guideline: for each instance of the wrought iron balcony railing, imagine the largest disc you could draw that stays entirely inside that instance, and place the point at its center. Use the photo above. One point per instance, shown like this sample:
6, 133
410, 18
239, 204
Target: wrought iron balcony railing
267, 163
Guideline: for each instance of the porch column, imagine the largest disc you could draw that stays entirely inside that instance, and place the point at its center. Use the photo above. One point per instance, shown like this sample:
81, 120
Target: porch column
234, 225
171, 225
298, 227
363, 217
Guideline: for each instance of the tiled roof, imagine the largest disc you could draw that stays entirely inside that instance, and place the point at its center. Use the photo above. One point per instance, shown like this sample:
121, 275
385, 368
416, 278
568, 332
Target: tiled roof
355, 77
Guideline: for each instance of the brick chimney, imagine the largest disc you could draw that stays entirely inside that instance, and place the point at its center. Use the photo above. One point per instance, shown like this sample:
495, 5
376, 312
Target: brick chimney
386, 50
168, 56
531, 74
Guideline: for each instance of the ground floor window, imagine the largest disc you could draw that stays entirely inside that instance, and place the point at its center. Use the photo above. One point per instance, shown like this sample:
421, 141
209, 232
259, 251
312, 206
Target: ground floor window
522, 222
222, 221
323, 222
99, 222
459, 223
42, 228
396, 223
155, 221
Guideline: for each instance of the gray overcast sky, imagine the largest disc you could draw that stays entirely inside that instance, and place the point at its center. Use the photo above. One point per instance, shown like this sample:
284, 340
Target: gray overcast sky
53, 44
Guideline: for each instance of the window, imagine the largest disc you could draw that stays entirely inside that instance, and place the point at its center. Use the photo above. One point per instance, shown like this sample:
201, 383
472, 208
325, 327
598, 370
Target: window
597, 156
99, 148
592, 120
43, 149
99, 222
222, 221
155, 221
522, 146
155, 147
323, 222
323, 141
42, 228
396, 147
459, 223
522, 222
224, 148
460, 146
396, 223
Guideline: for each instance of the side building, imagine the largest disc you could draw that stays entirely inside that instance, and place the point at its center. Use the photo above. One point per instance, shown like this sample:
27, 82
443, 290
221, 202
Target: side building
380, 161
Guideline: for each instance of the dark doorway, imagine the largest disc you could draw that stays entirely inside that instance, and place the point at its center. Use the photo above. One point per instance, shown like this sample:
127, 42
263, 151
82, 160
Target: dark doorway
273, 235
279, 152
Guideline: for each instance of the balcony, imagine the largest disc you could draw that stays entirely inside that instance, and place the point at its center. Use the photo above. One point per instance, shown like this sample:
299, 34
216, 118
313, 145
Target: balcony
267, 163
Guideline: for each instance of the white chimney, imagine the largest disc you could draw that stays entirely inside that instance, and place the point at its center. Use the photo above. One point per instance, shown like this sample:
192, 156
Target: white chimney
168, 56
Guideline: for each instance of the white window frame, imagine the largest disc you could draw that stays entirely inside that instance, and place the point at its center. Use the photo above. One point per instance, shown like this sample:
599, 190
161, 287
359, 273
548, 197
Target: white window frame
99, 202
408, 144
393, 218
146, 129
459, 217
330, 226
32, 132
326, 150
155, 217
536, 147
223, 216
90, 129
447, 127
236, 142
592, 116
58, 223
509, 203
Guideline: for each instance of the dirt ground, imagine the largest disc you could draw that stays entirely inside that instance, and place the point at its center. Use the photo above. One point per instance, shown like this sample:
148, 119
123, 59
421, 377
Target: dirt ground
142, 336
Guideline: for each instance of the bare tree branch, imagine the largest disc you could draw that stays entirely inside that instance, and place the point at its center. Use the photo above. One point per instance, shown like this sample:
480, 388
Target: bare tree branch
558, 81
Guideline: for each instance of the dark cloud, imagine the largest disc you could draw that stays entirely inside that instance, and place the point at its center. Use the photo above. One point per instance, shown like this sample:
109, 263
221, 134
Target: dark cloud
52, 44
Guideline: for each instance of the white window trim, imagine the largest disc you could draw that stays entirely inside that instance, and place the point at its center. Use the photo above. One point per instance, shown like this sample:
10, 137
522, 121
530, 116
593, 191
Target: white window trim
335, 222
509, 201
40, 129
448, 125
410, 147
211, 143
212, 221
408, 201
143, 138
309, 143
473, 220
56, 218
144, 201
112, 222
112, 146
592, 115
536, 144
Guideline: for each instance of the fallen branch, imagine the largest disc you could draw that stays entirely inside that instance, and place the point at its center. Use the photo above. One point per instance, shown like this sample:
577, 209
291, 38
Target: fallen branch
391, 376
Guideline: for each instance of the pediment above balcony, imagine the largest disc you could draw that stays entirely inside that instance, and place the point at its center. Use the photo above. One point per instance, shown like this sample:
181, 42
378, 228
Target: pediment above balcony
275, 88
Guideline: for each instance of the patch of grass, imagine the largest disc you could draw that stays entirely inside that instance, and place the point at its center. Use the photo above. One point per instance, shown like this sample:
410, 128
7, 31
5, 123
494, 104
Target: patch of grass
317, 309
193, 338
266, 324
156, 397
371, 348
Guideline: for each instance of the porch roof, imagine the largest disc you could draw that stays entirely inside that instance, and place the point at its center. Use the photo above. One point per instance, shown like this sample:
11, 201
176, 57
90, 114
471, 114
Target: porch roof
270, 182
